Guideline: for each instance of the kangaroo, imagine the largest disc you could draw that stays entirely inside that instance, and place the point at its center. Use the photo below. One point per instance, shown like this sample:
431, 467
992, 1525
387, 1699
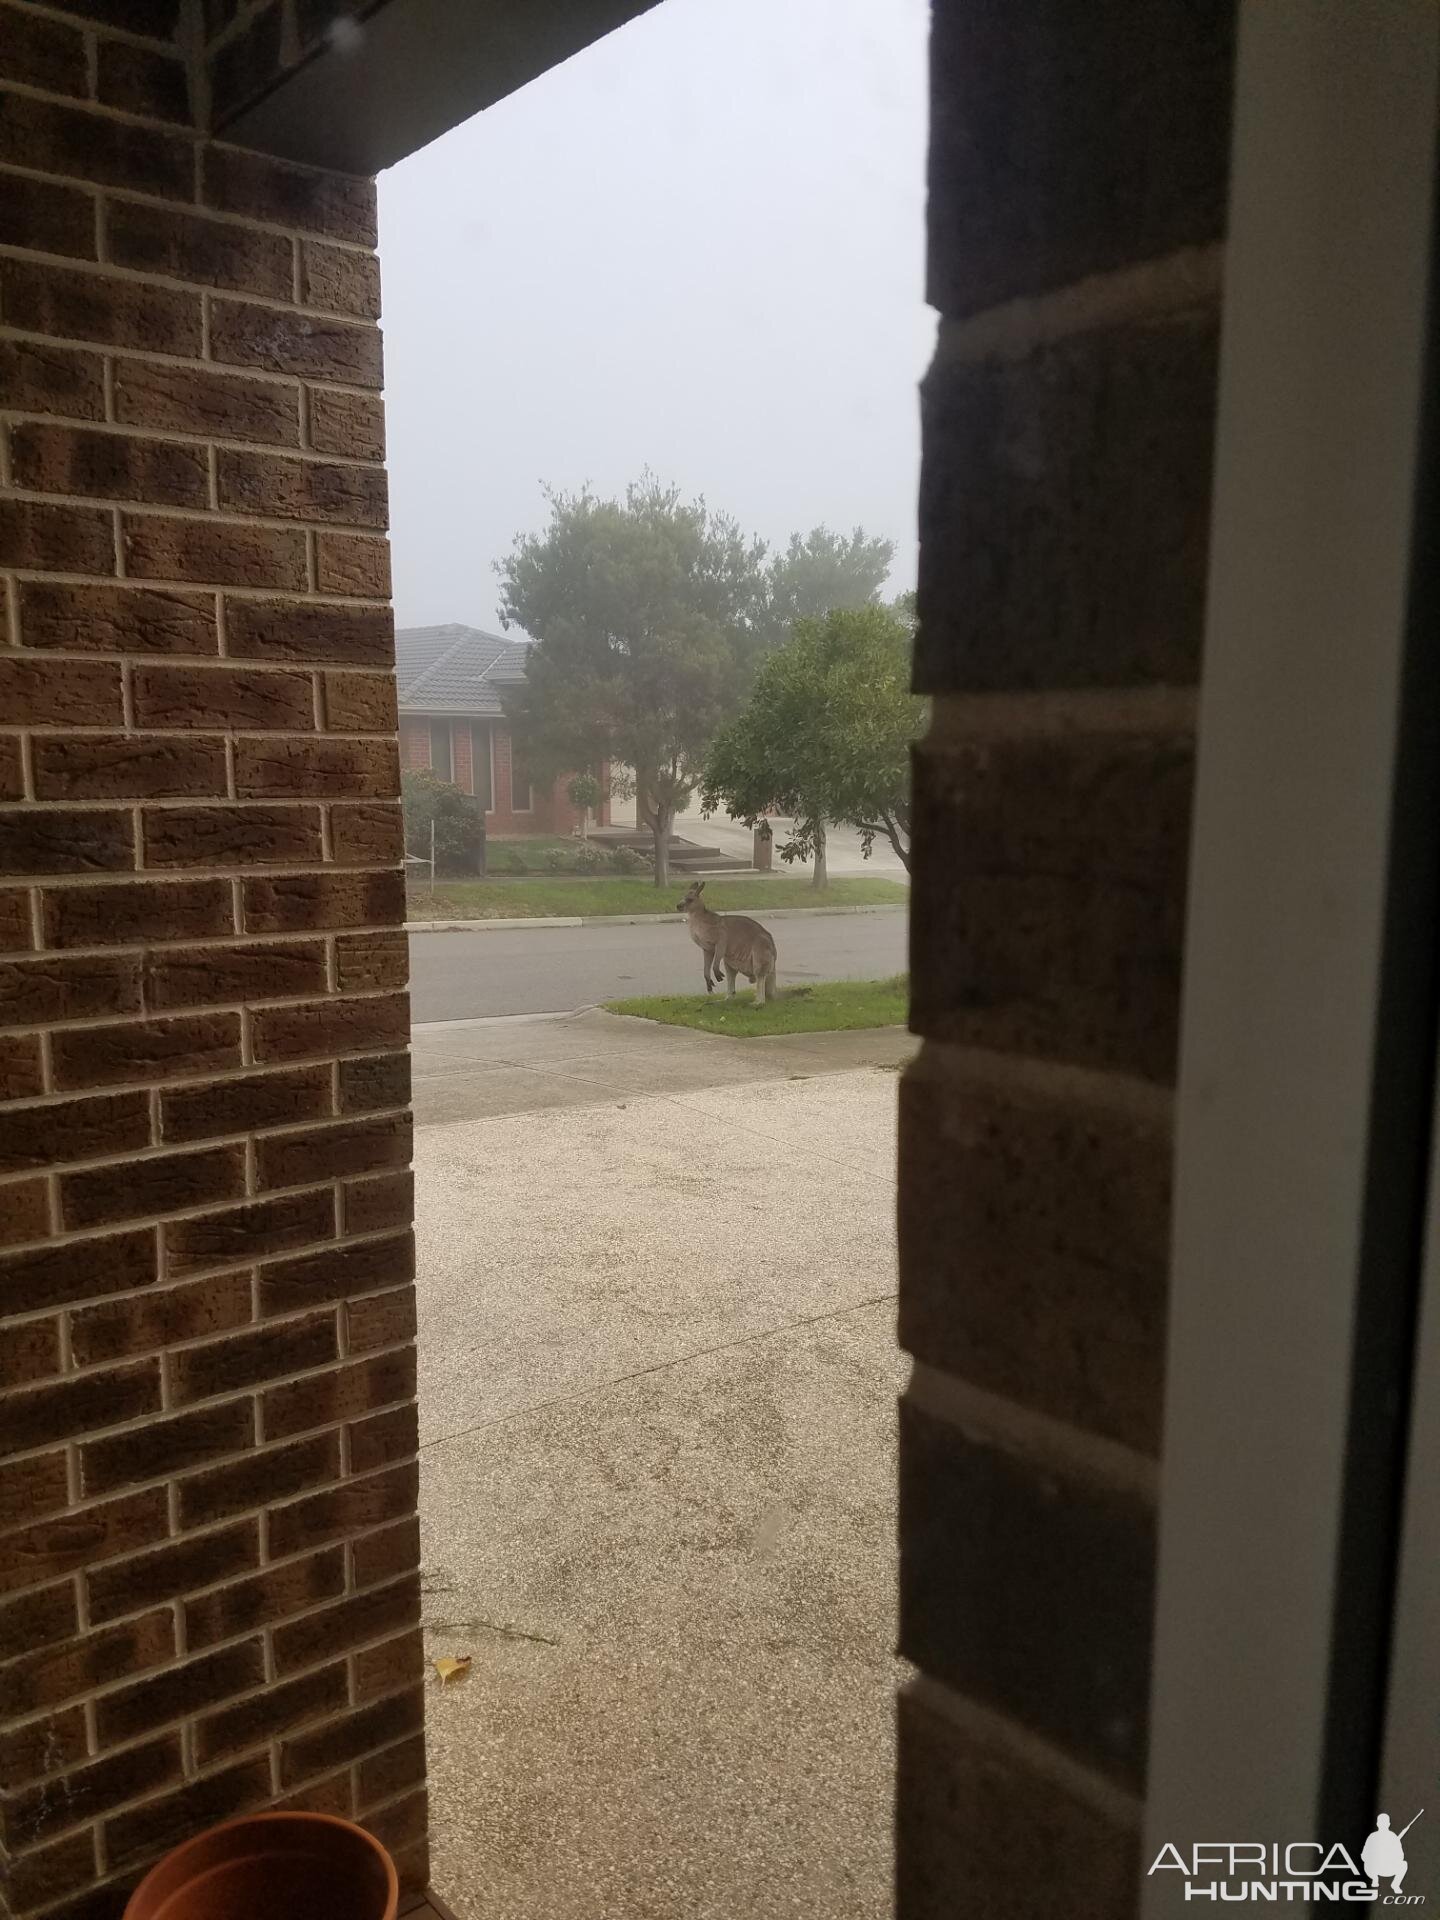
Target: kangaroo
731, 944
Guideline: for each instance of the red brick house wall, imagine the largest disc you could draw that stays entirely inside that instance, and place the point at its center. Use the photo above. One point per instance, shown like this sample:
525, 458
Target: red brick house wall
208, 1546
549, 812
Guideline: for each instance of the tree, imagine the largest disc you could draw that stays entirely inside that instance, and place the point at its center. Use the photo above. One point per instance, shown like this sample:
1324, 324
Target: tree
826, 734
646, 615
824, 571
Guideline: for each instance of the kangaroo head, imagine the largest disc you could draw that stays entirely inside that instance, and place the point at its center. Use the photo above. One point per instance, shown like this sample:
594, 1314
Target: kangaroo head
692, 896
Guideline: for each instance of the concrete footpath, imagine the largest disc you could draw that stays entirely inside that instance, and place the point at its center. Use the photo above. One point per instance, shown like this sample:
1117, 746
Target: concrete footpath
657, 1392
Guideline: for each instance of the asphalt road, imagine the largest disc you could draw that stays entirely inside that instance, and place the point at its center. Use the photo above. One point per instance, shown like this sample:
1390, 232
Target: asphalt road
463, 976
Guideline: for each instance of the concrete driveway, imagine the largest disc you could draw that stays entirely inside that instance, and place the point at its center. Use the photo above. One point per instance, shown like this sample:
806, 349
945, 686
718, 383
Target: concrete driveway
658, 1375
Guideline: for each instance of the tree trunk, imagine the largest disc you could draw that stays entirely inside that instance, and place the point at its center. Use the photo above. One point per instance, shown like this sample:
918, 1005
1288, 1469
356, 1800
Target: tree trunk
821, 875
664, 819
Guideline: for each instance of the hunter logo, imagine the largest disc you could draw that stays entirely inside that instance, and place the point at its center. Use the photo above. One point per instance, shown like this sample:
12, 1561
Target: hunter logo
1303, 1870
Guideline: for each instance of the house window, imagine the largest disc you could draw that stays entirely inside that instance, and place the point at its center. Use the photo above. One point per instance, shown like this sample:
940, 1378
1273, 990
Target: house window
440, 757
521, 796
480, 760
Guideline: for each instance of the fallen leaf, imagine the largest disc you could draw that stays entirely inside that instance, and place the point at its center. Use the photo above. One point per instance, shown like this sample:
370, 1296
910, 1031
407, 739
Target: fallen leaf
452, 1669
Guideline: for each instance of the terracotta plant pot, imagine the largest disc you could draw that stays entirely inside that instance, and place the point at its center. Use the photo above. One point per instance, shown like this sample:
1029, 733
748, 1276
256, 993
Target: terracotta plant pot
272, 1866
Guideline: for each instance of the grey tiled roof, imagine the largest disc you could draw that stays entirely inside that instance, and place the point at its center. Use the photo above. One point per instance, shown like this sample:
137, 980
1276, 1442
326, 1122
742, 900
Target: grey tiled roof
455, 669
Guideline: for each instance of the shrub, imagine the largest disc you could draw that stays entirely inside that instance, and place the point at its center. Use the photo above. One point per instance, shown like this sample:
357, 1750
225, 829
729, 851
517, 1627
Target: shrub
559, 859
459, 824
588, 858
628, 860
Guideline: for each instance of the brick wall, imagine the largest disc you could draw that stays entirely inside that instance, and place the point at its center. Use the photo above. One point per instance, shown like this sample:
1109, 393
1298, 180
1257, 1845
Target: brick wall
1077, 193
208, 1585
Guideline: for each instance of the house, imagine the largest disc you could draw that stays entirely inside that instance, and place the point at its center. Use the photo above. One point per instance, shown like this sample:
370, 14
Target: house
452, 720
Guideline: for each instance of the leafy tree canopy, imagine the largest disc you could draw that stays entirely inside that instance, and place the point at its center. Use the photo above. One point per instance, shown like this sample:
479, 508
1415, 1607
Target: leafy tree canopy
824, 571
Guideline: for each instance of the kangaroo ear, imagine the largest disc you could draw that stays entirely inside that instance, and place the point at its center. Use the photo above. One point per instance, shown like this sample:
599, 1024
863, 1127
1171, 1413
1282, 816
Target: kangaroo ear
699, 886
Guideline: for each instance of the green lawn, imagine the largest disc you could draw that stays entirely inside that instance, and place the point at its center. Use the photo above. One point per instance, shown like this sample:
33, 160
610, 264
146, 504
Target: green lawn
825, 1008
540, 896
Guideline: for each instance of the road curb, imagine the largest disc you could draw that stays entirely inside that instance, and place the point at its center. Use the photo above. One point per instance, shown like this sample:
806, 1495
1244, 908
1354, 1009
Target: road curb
629, 919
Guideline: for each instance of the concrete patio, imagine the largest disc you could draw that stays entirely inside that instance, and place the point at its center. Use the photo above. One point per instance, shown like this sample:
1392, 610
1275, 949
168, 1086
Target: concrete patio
657, 1398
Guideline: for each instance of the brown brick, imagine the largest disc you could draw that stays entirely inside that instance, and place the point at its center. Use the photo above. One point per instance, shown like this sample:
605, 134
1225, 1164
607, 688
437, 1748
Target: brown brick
33, 1879
116, 619
273, 1473
339, 280
344, 1510
366, 1086
353, 563
326, 1398
1057, 926
73, 1130
272, 1595
16, 932
279, 1709
34, 533
48, 138
330, 1795
201, 1560
248, 1233
334, 204
383, 1438
12, 775
179, 1693
385, 1774
119, 766
348, 423
133, 1188
360, 703
329, 1153
30, 1350
276, 484
146, 1050
30, 1489
99, 310
41, 378
136, 1836
231, 555
51, 1547
248, 63
79, 1270
237, 1106
163, 1448
317, 768
21, 1071
251, 972
41, 1747
141, 80
1116, 427
231, 836
58, 459
89, 1791
301, 903
74, 1667
337, 1273
188, 246
310, 631
49, 988
146, 910
39, 841
357, 1733
331, 1026
41, 1416
284, 341
153, 910
228, 406
45, 216
396, 1826
395, 1663
1061, 1204
63, 693
156, 19
366, 962
42, 53
24, 1214
245, 1359
1028, 1592
967, 1808
367, 836
1056, 153
235, 697
160, 1317
384, 1555
372, 1204
38, 1619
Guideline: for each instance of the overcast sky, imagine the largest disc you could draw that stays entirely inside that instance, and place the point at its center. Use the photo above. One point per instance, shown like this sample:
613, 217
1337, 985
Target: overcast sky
696, 246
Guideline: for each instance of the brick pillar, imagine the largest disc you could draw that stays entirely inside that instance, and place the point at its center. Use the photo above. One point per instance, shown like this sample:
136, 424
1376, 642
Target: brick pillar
1077, 183
207, 1431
